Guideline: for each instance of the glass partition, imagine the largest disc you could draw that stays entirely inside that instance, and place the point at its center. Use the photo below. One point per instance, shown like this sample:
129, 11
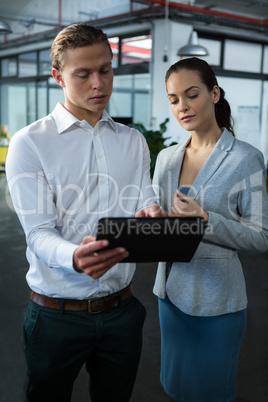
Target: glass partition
114, 43
55, 94
14, 108
265, 60
242, 56
28, 64
45, 64
42, 99
9, 67
214, 50
131, 98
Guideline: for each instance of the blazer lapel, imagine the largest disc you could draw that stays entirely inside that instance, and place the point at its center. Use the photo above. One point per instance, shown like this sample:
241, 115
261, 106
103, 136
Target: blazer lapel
170, 173
176, 163
212, 163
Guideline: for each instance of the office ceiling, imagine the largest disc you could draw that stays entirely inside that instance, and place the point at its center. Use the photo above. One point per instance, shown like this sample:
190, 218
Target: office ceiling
252, 8
37, 19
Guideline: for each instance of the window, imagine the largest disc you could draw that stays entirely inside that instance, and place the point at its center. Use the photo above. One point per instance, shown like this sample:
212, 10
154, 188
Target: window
242, 56
131, 89
55, 94
142, 81
131, 98
264, 118
37, 92
19, 107
120, 104
214, 50
44, 62
31, 102
9, 67
114, 43
136, 49
122, 81
41, 99
28, 64
265, 60
141, 109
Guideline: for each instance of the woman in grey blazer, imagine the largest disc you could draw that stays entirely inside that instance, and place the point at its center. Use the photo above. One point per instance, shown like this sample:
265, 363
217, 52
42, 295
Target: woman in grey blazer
202, 304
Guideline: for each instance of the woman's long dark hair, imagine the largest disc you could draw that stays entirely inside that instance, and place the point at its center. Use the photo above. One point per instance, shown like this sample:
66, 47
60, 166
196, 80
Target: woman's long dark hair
208, 78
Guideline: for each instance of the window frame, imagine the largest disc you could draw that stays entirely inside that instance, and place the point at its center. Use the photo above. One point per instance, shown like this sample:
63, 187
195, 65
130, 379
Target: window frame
131, 68
221, 71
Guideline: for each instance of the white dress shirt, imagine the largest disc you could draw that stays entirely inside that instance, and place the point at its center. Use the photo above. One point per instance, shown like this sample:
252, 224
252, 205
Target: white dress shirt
63, 176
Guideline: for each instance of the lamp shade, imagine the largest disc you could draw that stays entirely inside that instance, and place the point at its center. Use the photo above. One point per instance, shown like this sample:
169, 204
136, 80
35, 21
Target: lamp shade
4, 27
193, 48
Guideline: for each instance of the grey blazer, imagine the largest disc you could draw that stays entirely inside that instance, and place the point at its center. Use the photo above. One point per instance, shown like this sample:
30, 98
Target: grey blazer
231, 188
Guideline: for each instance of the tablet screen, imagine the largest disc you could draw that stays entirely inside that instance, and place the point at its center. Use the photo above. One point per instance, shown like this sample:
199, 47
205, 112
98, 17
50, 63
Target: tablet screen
153, 239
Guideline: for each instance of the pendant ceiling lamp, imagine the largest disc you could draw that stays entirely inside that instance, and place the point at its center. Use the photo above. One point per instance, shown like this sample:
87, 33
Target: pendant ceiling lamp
193, 48
4, 28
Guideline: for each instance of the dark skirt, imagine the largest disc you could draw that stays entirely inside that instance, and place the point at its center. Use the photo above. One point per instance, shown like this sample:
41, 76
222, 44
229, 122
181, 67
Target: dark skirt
199, 355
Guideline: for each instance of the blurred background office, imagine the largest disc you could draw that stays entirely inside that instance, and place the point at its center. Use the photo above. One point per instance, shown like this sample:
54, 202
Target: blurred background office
146, 37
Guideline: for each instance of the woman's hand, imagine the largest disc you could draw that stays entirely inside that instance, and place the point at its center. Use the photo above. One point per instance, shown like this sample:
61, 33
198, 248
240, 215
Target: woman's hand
90, 259
182, 205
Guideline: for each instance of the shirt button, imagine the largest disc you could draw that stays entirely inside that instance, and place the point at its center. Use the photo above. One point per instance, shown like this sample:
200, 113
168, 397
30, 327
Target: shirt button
95, 134
99, 156
103, 181
104, 207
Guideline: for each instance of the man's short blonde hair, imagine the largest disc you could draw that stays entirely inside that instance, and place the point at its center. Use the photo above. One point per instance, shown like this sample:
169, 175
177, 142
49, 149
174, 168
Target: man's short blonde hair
73, 36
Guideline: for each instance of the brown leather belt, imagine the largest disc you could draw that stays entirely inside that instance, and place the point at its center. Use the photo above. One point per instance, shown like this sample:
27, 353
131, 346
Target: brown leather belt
92, 306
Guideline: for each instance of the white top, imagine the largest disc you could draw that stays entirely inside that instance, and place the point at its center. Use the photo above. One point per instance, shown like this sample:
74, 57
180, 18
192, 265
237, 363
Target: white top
63, 176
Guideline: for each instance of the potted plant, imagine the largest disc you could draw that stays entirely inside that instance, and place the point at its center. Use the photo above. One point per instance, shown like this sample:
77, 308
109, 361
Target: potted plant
155, 140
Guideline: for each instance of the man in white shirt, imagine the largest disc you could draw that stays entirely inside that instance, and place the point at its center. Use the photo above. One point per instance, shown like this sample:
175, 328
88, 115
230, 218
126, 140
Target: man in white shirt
65, 172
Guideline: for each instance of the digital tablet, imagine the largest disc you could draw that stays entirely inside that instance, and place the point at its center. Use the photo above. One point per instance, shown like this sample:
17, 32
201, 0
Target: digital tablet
153, 239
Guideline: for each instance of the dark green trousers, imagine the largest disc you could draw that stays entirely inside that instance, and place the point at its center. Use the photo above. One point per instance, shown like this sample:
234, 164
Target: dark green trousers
58, 343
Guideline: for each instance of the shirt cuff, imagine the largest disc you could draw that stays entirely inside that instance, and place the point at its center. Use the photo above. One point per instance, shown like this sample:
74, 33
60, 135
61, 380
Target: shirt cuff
65, 253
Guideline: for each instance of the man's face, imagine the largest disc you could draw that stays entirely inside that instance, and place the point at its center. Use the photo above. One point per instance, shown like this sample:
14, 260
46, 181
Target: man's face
87, 81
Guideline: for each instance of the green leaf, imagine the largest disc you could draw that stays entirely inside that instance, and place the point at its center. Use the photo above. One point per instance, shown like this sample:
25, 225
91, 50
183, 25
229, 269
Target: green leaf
154, 139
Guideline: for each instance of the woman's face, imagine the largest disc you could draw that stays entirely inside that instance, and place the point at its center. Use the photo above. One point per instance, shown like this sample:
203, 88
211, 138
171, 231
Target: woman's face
191, 102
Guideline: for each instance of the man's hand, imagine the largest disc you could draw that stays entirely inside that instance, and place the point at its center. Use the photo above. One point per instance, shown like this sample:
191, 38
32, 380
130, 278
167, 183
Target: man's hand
90, 259
151, 212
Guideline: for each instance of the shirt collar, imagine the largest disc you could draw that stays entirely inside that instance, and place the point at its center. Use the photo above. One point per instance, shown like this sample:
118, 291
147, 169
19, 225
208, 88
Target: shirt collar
107, 117
65, 120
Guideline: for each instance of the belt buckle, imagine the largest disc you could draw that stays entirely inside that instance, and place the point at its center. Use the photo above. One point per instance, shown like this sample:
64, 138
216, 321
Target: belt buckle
89, 308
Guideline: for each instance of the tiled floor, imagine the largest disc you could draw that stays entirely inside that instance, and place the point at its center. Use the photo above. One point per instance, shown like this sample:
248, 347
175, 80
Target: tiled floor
14, 295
